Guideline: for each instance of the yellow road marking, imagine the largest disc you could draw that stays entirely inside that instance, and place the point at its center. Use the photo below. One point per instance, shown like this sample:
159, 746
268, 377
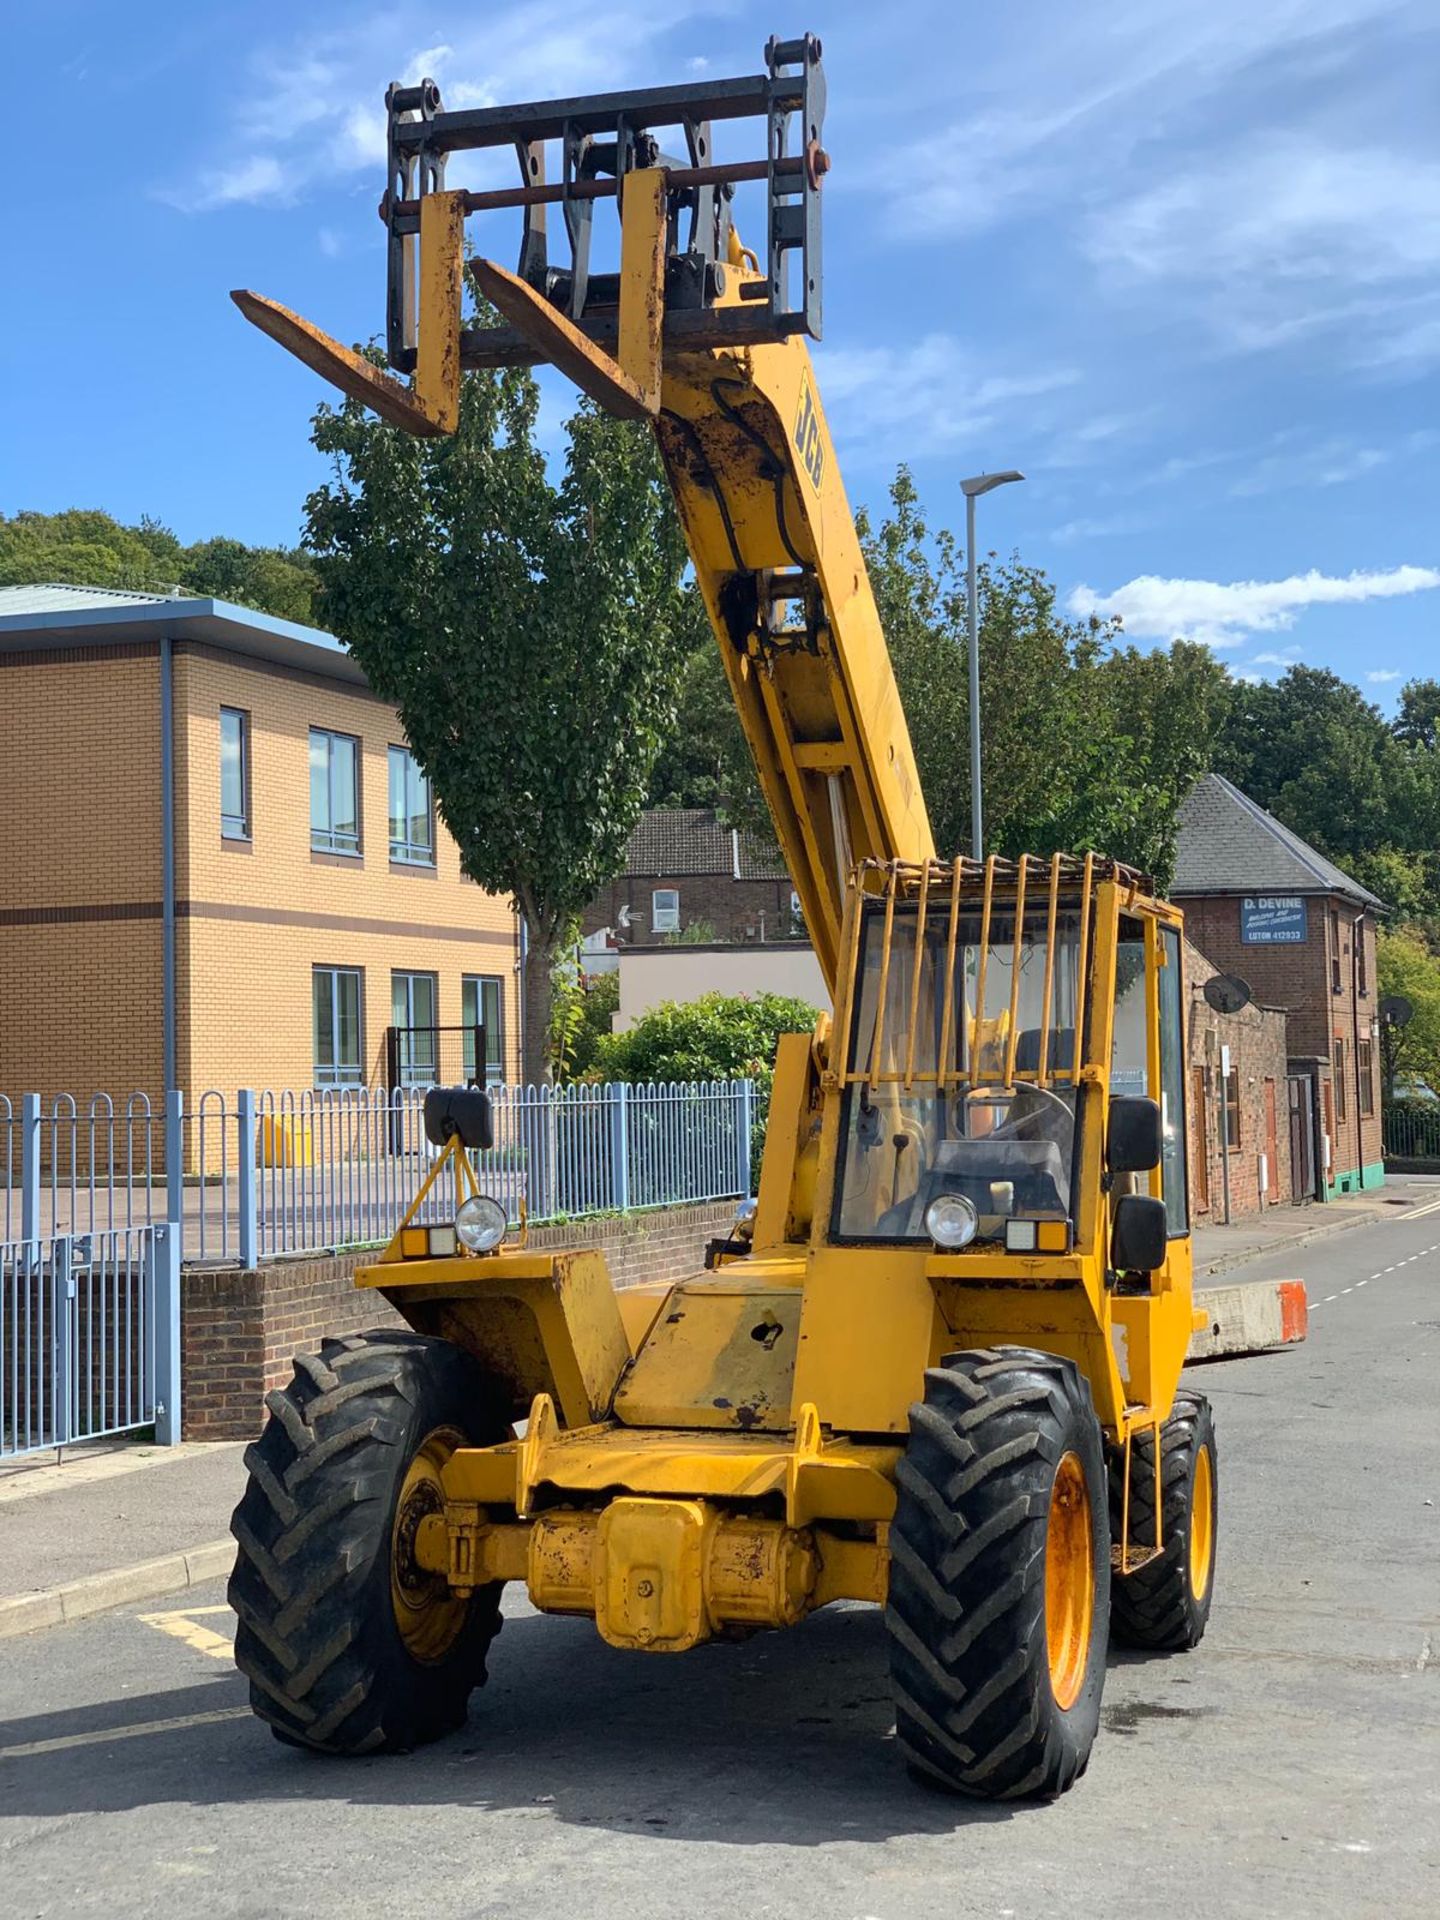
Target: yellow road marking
66, 1740
182, 1627
185, 1613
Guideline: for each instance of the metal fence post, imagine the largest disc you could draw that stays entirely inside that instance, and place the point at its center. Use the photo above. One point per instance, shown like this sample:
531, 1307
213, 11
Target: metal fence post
175, 1157
164, 1255
30, 1167
747, 1121
619, 1097
62, 1341
246, 1187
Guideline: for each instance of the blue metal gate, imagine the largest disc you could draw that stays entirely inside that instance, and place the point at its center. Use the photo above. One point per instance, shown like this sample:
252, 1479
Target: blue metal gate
89, 1338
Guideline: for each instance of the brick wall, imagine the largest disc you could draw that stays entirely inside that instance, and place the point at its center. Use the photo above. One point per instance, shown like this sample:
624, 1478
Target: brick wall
240, 1329
738, 910
1301, 979
1256, 1037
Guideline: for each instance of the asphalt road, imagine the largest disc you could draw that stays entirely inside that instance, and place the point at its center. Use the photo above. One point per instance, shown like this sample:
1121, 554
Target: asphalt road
1290, 1766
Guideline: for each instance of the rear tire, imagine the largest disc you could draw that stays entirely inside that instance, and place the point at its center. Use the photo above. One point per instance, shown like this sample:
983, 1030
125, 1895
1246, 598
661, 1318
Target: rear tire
349, 1646
999, 1598
1165, 1606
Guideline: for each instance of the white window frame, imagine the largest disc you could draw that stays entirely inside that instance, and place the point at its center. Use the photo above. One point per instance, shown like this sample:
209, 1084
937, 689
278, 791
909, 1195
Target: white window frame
338, 1073
473, 990
323, 838
404, 850
236, 826
666, 918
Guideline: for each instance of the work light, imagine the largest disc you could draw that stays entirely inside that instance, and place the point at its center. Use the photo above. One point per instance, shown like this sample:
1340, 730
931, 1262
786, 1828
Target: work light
951, 1221
480, 1223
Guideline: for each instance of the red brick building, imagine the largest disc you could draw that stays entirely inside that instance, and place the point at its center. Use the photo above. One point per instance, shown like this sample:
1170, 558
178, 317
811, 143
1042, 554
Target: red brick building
1240, 1159
686, 874
1262, 904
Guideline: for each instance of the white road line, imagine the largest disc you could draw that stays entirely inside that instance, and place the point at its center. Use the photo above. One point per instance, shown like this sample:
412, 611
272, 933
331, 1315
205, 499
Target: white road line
1362, 1283
1347, 1290
1328, 1298
67, 1740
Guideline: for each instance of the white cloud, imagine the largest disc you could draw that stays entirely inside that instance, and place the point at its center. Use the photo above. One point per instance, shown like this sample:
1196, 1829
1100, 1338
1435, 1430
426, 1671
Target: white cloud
313, 109
906, 400
1223, 614
1281, 660
1383, 674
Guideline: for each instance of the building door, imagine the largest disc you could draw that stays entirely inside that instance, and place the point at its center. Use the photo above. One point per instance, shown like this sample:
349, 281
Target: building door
1202, 1139
1302, 1139
1272, 1147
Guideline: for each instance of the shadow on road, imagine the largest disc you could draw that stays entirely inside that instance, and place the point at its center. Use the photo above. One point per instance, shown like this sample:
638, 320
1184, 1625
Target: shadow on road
784, 1738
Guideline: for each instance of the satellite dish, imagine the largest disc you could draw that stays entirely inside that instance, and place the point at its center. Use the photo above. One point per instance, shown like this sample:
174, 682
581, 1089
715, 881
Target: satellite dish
1396, 1010
1226, 992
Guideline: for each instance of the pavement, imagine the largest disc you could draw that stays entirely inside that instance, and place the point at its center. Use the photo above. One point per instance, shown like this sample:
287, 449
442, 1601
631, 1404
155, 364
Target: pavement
117, 1522
1288, 1766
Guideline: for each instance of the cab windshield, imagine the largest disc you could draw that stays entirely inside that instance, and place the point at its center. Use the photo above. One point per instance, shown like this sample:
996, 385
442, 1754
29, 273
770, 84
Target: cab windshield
977, 1098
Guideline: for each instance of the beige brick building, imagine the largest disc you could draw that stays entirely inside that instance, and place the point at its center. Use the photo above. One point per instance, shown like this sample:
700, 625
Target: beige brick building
271, 903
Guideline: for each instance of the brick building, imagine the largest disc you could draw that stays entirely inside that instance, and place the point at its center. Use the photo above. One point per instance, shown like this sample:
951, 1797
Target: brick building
221, 866
1262, 904
685, 872
1239, 1140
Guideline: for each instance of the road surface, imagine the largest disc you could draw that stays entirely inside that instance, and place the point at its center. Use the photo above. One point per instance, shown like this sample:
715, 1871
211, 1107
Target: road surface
1290, 1766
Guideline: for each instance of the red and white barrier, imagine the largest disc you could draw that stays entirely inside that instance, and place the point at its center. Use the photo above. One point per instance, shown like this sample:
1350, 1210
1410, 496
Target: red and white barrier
1249, 1319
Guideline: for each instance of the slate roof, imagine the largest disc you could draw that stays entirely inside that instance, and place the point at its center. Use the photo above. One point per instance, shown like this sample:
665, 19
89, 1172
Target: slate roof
680, 840
1229, 844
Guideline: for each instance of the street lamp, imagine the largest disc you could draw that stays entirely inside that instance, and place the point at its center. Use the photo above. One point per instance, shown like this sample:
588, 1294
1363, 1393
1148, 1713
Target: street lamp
972, 489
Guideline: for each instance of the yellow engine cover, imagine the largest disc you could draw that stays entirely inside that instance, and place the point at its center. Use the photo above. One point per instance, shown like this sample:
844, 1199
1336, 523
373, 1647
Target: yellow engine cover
720, 1354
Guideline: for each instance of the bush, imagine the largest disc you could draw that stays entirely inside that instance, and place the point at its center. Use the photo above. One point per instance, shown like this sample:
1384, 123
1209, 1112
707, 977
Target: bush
720, 1036
596, 1010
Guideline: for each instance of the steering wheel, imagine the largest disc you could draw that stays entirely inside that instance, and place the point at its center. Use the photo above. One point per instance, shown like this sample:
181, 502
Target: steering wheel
1011, 1128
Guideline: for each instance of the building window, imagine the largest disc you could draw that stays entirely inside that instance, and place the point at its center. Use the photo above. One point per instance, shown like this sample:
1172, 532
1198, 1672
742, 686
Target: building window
412, 811
1339, 1080
1366, 1070
482, 1004
339, 1053
1362, 979
234, 774
334, 792
1335, 982
665, 910
414, 999
1232, 1107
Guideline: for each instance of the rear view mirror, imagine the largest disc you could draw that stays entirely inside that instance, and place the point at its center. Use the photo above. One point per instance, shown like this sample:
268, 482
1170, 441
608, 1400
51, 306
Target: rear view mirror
462, 1110
1132, 1141
1138, 1236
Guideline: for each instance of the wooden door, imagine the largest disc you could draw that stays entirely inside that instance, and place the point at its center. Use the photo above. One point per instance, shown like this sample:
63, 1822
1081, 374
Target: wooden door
1272, 1147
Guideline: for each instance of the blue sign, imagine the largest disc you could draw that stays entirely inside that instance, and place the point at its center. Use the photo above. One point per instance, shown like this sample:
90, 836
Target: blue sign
1273, 920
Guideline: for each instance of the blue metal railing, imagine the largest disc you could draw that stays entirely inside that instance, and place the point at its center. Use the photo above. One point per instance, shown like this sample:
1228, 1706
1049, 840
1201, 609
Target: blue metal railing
254, 1175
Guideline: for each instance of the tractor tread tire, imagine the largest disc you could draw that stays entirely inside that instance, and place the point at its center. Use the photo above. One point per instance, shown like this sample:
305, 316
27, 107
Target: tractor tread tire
966, 1609
316, 1635
1155, 1607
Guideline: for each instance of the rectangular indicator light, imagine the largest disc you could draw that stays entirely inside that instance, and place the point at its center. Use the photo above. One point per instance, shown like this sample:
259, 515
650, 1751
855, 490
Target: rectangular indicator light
1053, 1236
414, 1243
1020, 1236
442, 1242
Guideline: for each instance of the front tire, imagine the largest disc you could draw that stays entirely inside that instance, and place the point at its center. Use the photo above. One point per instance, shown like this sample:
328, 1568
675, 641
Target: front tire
1165, 1605
999, 1600
349, 1645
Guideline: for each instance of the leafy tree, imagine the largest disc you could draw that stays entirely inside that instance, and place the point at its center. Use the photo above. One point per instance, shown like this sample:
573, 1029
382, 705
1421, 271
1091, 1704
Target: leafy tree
599, 1003
1417, 724
720, 1036
86, 548
1407, 966
526, 630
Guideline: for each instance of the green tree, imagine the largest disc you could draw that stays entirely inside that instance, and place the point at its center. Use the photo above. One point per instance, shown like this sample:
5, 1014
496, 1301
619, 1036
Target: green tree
599, 1004
1407, 966
719, 1036
274, 579
526, 630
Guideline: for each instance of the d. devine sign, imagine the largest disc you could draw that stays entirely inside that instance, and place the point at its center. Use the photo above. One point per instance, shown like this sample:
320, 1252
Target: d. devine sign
1273, 920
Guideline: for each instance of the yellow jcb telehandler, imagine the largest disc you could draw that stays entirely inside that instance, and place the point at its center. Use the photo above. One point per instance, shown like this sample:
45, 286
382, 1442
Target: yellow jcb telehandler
935, 1366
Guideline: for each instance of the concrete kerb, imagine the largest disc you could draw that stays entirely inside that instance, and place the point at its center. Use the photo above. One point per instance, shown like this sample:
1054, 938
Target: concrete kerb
1287, 1243
169, 1573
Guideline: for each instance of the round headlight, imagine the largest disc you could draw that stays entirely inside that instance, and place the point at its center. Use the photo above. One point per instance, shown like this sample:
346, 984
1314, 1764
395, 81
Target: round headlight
743, 1226
480, 1223
951, 1221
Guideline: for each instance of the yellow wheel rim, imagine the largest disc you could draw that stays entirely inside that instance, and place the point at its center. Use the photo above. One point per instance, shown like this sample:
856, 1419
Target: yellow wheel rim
1069, 1581
1202, 1525
427, 1613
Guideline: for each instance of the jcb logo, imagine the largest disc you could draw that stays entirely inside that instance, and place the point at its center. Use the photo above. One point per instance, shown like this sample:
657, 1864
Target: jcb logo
807, 436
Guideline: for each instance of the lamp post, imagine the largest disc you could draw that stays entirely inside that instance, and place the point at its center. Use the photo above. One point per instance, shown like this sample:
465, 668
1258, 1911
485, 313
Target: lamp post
972, 489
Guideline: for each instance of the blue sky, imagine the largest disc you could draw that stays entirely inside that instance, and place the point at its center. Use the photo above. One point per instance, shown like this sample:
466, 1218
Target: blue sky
1179, 261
